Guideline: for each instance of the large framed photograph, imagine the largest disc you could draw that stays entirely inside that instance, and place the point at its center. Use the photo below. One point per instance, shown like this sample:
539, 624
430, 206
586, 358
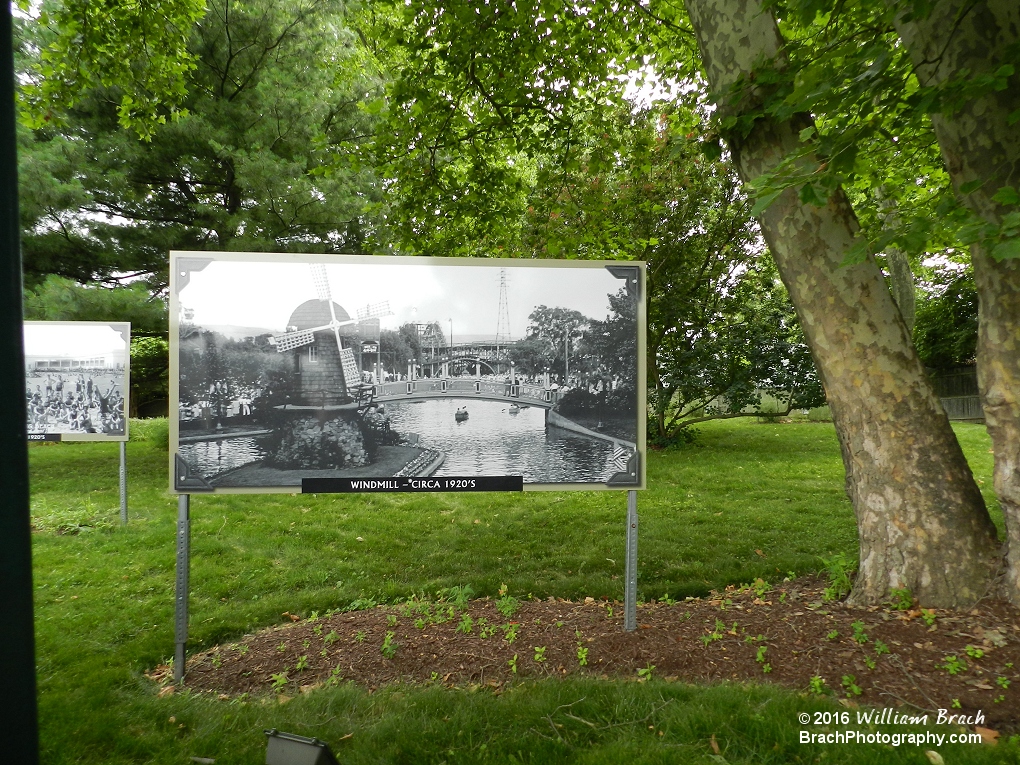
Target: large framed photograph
77, 380
291, 368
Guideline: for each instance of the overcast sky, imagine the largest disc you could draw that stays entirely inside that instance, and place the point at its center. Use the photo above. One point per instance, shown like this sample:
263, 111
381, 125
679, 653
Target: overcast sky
73, 340
263, 294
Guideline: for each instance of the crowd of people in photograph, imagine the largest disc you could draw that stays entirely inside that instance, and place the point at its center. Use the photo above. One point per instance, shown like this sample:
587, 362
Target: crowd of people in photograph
74, 403
221, 401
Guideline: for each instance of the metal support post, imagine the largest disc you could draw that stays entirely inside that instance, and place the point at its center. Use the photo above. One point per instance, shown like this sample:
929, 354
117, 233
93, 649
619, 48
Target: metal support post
123, 482
17, 654
181, 592
17, 636
630, 594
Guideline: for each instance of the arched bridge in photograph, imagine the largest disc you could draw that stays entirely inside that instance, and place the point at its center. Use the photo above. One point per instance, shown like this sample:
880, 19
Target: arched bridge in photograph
489, 390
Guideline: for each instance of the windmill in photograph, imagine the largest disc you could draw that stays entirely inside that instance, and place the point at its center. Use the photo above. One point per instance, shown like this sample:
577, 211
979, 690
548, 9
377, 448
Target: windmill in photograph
326, 343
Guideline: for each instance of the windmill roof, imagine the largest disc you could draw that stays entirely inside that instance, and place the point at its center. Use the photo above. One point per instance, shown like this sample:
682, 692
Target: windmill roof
315, 313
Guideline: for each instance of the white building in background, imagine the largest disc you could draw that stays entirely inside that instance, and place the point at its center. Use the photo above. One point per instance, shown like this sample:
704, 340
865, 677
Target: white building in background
67, 363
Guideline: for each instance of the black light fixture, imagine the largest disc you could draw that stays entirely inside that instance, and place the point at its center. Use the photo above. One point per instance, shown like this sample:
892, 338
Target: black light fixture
290, 749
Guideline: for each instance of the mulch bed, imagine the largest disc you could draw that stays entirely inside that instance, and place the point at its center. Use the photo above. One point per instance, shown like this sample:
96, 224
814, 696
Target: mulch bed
786, 635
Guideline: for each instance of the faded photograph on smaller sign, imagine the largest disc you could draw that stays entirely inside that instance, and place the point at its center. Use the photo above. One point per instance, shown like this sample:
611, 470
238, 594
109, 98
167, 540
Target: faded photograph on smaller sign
76, 380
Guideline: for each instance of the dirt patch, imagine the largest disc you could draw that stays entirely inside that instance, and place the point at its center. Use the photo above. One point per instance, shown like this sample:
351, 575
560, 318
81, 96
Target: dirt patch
959, 661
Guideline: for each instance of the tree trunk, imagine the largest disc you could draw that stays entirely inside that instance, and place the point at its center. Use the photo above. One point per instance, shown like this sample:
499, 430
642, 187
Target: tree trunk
902, 278
979, 144
921, 520
900, 273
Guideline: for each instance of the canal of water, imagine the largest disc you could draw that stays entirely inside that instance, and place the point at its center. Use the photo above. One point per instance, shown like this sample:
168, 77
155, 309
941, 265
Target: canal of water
492, 441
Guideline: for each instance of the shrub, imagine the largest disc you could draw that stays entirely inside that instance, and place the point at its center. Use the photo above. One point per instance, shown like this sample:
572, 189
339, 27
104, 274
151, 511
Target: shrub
621, 400
310, 445
680, 437
578, 401
155, 431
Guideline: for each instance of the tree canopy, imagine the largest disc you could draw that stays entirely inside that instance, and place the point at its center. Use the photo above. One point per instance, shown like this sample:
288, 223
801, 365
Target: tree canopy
263, 154
137, 48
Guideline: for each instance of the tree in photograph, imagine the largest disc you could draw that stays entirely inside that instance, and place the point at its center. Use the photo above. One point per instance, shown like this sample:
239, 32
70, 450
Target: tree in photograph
532, 355
560, 329
400, 346
218, 369
263, 156
608, 351
396, 348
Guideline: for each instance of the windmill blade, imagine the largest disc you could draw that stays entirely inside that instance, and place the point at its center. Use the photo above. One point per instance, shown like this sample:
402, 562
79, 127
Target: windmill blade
349, 369
341, 350
288, 341
321, 282
375, 310
368, 329
291, 340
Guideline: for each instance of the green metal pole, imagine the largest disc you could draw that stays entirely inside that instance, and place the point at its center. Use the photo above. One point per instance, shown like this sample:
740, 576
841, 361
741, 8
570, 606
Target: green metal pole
17, 638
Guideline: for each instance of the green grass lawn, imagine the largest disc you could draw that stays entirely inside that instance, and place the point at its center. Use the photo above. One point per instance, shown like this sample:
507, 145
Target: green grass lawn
748, 500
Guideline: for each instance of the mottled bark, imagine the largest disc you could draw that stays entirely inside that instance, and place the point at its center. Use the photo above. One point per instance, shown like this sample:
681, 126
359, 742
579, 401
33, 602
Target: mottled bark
902, 278
900, 273
921, 520
978, 144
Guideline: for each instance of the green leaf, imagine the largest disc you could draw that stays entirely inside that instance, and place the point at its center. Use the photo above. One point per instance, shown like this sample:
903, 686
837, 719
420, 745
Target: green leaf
1006, 195
1007, 250
1010, 223
971, 186
764, 201
844, 160
975, 230
712, 149
374, 106
809, 195
1013, 117
806, 133
857, 254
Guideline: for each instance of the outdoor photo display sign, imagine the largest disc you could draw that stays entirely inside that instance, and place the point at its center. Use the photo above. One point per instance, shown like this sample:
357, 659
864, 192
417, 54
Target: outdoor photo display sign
323, 373
76, 380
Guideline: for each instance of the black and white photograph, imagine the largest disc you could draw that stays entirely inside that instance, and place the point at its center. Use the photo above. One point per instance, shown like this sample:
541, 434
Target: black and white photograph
287, 367
76, 380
